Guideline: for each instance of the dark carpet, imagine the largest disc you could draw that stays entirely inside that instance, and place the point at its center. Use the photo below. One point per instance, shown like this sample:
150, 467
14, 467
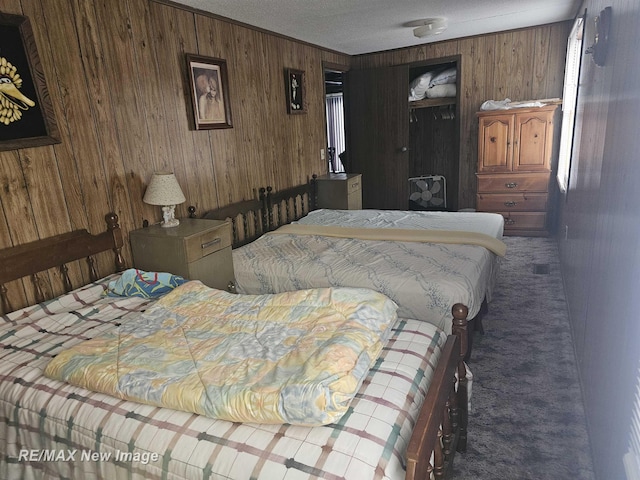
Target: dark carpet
527, 419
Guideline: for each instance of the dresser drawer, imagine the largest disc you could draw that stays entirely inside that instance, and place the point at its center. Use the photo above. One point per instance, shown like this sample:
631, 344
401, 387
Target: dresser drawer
515, 221
517, 202
521, 182
207, 242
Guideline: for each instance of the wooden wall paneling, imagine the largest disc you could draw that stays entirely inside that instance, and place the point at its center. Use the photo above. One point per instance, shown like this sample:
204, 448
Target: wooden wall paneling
173, 37
20, 227
39, 165
150, 81
541, 62
522, 68
249, 92
503, 73
216, 150
271, 97
478, 65
161, 72
40, 174
78, 158
92, 144
152, 86
557, 51
128, 102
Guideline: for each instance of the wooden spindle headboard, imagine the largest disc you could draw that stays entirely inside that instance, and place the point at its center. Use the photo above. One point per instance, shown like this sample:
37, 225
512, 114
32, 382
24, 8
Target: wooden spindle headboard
28, 259
252, 218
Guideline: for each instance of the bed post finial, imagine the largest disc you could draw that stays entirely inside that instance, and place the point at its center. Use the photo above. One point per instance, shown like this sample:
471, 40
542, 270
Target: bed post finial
269, 212
313, 201
192, 211
6, 304
112, 221
112, 226
459, 329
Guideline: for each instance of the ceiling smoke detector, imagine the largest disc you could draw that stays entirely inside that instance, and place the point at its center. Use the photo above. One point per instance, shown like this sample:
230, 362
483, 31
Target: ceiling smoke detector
429, 26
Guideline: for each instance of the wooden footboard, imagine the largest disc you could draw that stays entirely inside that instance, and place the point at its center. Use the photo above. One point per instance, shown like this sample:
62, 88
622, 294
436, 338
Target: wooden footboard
441, 428
58, 251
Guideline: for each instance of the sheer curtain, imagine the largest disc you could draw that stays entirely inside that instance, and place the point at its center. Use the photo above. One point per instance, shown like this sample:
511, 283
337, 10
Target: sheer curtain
335, 131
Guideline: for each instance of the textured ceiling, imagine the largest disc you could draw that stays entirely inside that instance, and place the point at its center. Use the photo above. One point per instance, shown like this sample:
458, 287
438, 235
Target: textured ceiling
364, 26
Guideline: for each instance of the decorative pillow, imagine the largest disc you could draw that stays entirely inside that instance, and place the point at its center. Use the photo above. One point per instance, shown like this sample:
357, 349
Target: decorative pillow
446, 76
444, 90
136, 283
418, 86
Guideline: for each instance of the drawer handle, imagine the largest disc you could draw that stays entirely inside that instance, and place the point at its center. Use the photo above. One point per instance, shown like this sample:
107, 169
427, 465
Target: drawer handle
211, 243
509, 221
510, 203
511, 185
354, 185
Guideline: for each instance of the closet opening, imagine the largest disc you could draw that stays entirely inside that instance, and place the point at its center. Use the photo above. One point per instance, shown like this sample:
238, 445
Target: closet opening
334, 83
434, 127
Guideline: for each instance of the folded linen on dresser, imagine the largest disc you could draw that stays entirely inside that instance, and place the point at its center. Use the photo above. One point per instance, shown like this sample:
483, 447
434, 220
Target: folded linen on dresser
296, 357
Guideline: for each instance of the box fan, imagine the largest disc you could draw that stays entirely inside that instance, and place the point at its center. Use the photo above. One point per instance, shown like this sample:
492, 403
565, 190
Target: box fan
428, 192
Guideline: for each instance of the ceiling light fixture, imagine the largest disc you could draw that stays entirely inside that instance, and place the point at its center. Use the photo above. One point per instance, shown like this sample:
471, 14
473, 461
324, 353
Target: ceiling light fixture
429, 26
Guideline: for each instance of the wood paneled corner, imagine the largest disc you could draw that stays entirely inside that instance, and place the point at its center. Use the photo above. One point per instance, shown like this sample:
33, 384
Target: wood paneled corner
116, 72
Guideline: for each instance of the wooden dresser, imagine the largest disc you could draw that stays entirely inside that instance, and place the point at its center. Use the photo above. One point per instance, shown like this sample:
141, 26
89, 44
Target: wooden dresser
516, 153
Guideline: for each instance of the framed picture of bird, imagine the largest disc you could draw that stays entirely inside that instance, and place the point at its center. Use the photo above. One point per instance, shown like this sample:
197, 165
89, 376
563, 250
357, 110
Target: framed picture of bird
27, 118
294, 83
209, 92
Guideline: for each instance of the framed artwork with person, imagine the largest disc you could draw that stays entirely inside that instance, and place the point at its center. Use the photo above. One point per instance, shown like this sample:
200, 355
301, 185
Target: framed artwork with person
209, 89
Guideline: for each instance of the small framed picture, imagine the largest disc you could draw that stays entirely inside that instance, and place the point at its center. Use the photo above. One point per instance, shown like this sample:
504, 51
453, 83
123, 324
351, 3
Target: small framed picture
209, 92
295, 91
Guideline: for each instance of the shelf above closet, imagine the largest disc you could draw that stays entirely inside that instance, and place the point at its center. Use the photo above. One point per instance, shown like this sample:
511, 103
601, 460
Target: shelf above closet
432, 102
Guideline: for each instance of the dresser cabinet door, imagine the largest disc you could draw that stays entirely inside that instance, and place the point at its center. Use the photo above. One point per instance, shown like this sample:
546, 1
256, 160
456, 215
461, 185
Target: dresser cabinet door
533, 142
495, 152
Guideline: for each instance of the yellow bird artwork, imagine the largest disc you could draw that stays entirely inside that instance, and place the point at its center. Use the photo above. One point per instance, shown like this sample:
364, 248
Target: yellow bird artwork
12, 101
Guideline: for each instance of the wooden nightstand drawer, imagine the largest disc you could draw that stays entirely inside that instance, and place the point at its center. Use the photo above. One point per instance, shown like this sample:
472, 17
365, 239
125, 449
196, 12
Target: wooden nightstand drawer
518, 202
353, 185
197, 249
522, 182
208, 242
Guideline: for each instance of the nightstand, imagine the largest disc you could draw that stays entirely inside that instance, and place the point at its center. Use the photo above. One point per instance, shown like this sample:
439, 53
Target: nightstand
197, 249
340, 191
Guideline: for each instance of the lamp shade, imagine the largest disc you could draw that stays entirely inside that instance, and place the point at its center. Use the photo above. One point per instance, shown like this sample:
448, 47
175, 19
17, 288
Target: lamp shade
163, 190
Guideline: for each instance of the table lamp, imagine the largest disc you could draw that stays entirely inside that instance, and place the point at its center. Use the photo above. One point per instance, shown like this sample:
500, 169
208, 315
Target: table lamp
164, 190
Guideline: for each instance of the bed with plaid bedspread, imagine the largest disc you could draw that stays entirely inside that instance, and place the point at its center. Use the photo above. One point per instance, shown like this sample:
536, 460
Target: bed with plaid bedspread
51, 429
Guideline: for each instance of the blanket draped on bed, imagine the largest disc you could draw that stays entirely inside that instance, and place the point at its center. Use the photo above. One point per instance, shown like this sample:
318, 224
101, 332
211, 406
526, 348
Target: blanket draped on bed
296, 357
398, 235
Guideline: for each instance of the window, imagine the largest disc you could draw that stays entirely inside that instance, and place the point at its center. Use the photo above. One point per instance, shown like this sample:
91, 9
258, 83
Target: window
569, 100
335, 130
